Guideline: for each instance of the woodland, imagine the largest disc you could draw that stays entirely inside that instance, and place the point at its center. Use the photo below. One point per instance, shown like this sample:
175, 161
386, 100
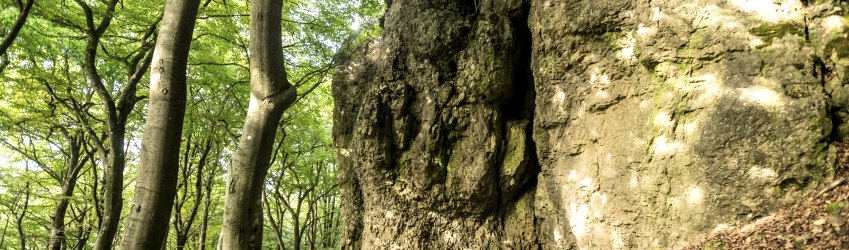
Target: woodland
171, 124
424, 124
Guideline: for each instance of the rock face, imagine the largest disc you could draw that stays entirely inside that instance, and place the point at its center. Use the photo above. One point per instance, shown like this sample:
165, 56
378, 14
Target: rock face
603, 124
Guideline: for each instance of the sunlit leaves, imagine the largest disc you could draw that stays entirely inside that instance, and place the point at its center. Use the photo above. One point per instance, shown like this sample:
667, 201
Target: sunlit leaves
45, 90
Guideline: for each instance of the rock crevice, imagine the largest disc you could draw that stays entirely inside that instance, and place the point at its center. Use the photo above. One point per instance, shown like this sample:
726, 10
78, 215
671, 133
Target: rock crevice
585, 124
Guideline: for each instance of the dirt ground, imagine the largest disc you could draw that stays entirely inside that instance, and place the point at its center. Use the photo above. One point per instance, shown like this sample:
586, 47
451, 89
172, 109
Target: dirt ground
820, 221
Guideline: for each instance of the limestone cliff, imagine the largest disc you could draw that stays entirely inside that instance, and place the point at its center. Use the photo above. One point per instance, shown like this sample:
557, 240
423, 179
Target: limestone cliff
604, 124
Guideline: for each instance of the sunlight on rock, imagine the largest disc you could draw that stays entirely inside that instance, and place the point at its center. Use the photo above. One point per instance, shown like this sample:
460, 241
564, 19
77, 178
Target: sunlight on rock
602, 94
594, 134
760, 95
578, 215
644, 104
663, 119
558, 237
645, 31
627, 51
597, 78
618, 242
664, 147
762, 173
694, 195
600, 198
656, 14
449, 236
573, 175
756, 43
352, 68
771, 10
690, 128
713, 15
710, 89
834, 23
374, 53
720, 227
634, 182
559, 97
669, 70
585, 183
390, 214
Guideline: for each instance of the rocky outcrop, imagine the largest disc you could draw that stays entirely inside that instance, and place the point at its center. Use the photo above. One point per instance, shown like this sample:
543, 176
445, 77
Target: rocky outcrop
586, 124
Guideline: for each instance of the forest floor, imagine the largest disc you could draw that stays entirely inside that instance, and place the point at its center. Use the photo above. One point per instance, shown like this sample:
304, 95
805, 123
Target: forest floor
820, 221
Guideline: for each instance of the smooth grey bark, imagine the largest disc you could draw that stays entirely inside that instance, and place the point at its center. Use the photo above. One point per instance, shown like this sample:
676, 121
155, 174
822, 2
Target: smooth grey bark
16, 28
271, 94
156, 185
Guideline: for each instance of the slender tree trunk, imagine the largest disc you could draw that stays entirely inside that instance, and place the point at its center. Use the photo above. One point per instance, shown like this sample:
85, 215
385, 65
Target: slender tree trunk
113, 186
57, 232
114, 173
278, 233
157, 181
80, 216
3, 236
311, 221
184, 227
271, 94
74, 163
204, 226
16, 28
20, 219
296, 226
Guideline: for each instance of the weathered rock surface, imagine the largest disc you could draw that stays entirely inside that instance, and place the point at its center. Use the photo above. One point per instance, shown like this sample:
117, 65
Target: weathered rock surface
604, 124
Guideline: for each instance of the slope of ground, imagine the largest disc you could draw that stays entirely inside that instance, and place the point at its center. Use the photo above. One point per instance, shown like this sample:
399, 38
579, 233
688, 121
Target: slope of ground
820, 221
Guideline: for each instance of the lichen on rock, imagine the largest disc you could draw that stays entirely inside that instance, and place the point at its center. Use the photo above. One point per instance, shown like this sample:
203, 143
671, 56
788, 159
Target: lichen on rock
586, 124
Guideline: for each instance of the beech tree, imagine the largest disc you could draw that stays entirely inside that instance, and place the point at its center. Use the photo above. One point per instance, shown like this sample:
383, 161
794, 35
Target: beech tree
75, 88
117, 108
157, 181
271, 94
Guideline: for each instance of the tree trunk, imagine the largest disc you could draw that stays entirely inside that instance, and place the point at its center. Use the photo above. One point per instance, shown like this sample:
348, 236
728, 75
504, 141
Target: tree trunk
74, 164
204, 225
182, 226
57, 231
20, 220
16, 28
275, 225
157, 181
271, 94
113, 200
297, 233
5, 228
115, 125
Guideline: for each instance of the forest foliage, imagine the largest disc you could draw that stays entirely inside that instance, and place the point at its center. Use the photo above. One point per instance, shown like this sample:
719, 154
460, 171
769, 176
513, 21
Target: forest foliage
55, 131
